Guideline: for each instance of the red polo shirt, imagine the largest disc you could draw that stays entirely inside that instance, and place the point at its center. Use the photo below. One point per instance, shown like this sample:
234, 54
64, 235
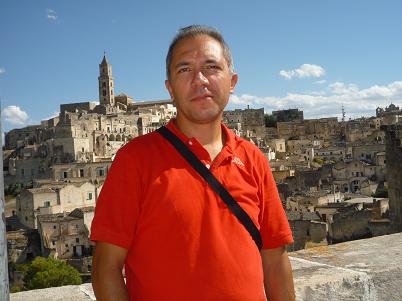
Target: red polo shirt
183, 242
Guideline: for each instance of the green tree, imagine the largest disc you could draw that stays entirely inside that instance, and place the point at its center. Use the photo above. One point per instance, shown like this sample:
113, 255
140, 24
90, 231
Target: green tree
270, 121
381, 193
50, 272
318, 160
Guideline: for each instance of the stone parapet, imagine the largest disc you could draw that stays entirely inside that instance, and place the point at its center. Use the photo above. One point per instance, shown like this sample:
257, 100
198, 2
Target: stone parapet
365, 270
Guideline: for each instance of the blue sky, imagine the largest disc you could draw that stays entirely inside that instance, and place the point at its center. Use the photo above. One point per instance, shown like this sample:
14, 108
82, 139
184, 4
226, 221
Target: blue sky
313, 55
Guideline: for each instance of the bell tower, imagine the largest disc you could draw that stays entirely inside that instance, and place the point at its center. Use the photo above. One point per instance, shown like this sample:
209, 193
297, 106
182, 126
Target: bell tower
106, 84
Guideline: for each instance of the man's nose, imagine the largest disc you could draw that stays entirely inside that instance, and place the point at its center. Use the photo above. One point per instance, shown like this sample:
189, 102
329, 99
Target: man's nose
199, 78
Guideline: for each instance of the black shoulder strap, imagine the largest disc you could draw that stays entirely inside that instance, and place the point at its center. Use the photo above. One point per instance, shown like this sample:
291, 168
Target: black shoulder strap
241, 215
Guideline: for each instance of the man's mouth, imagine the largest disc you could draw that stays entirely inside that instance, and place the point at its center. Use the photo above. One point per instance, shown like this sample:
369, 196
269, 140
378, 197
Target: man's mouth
207, 96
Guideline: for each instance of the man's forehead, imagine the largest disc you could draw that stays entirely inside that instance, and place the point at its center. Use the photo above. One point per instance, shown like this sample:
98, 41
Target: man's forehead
202, 45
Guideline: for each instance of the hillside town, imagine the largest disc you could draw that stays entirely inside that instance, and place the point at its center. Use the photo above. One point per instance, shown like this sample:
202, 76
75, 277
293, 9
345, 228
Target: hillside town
339, 180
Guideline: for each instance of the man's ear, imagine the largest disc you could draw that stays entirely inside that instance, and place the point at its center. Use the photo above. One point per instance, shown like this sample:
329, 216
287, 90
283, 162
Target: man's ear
169, 88
233, 82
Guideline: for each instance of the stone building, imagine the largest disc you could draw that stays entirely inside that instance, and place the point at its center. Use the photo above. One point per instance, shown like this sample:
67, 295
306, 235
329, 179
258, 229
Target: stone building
250, 122
332, 153
278, 145
309, 201
289, 115
19, 137
294, 129
322, 128
306, 227
81, 170
54, 199
106, 84
390, 115
298, 146
357, 176
64, 236
84, 132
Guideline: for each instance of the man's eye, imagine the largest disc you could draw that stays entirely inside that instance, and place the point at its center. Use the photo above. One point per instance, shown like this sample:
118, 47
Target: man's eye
213, 67
185, 69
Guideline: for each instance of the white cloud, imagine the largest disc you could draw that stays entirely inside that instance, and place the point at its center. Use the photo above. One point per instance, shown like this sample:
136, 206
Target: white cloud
2, 71
316, 104
305, 70
341, 88
51, 14
320, 82
15, 115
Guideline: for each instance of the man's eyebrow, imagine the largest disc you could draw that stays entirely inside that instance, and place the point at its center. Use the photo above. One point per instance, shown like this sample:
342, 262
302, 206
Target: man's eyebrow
211, 61
185, 63
181, 64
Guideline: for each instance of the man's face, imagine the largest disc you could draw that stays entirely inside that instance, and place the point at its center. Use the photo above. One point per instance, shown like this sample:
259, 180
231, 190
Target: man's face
200, 81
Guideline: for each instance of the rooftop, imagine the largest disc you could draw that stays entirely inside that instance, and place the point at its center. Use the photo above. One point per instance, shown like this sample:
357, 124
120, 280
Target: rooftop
365, 270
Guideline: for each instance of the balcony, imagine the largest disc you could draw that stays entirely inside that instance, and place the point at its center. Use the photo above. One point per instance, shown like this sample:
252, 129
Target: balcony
365, 270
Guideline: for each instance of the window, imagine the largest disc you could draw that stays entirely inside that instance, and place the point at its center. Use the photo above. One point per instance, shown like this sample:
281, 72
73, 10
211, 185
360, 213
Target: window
65, 174
100, 172
77, 240
103, 84
66, 245
54, 227
104, 92
81, 173
53, 243
89, 195
46, 204
82, 149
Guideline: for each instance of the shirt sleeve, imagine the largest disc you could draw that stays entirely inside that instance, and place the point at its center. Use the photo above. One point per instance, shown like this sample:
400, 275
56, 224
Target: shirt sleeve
274, 226
117, 208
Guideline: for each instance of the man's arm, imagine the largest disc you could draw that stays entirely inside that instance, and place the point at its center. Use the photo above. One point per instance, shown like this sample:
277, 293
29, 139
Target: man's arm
278, 278
107, 277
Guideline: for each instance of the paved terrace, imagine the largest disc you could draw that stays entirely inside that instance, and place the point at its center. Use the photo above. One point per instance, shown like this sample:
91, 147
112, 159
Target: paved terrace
368, 270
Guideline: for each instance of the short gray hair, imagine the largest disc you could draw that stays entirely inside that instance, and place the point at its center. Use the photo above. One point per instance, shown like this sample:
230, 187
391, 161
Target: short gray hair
194, 31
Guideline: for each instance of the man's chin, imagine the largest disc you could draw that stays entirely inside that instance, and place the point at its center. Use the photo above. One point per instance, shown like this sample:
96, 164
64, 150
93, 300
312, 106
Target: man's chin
200, 118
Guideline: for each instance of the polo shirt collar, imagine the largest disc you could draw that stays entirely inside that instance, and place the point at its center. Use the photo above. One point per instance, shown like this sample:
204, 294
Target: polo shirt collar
230, 136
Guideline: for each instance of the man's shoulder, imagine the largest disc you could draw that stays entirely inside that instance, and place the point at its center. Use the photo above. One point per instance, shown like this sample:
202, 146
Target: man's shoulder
249, 152
142, 144
246, 145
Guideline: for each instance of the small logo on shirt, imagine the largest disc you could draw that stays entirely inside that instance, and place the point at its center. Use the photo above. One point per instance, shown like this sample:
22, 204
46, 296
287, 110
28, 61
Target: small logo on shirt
237, 161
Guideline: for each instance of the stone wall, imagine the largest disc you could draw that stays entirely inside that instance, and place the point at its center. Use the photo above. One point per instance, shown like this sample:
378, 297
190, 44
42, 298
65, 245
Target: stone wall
393, 153
350, 225
362, 270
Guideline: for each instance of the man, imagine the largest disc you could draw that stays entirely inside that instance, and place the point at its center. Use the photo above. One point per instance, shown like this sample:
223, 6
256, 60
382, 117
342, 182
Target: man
160, 220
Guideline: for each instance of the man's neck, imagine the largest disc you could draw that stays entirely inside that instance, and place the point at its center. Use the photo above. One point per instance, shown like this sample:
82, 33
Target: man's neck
209, 135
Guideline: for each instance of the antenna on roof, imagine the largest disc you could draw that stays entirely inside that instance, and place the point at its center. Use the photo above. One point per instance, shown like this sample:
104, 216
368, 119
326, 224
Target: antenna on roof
343, 113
